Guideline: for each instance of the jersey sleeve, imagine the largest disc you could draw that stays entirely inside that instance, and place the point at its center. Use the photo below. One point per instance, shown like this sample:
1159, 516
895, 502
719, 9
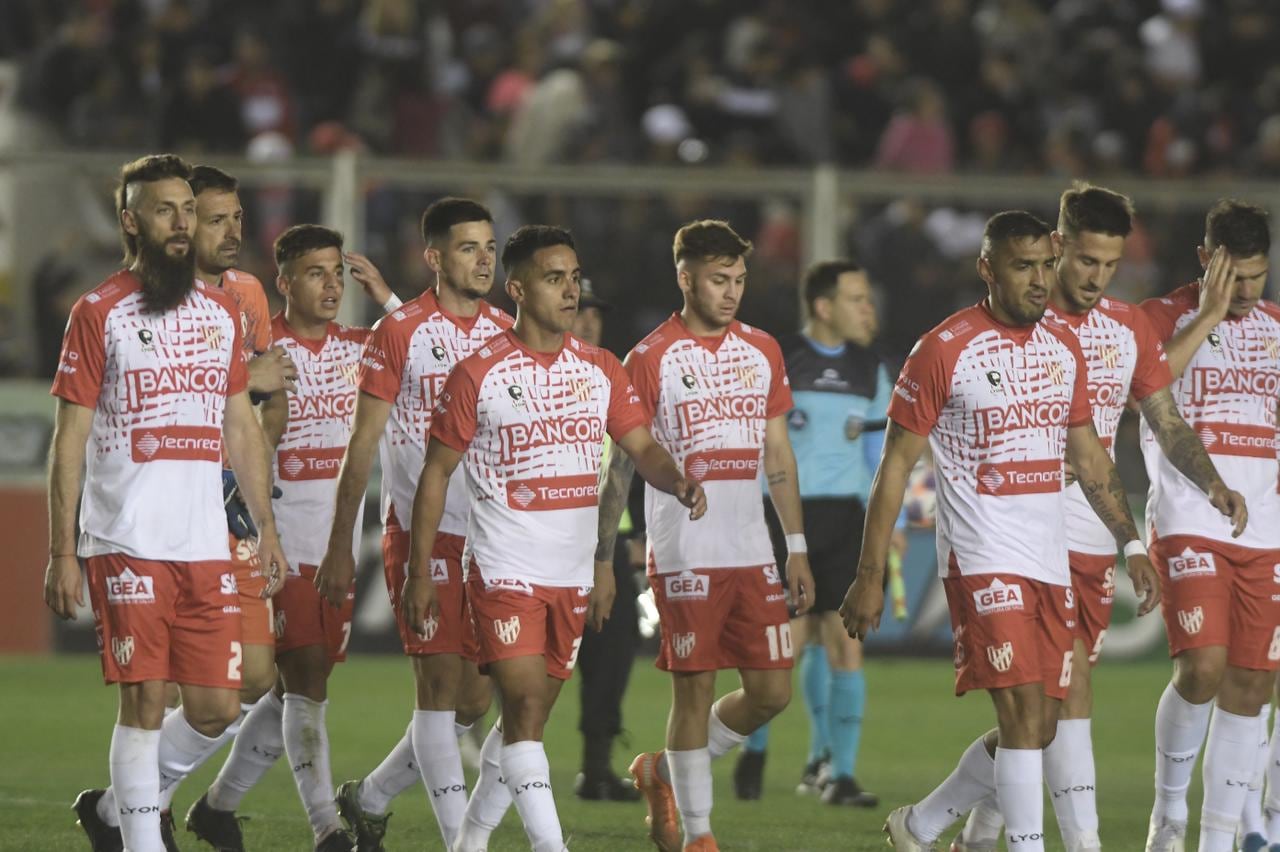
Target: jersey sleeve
84, 356
382, 364
454, 422
1151, 373
1081, 413
625, 410
238, 369
779, 401
642, 368
1162, 315
258, 324
922, 388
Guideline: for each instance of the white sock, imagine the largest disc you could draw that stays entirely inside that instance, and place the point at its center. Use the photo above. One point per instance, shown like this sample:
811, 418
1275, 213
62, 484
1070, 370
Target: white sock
1180, 731
256, 748
524, 766
489, 800
397, 773
306, 741
1069, 772
435, 745
721, 739
973, 779
1251, 819
691, 782
1272, 800
1228, 766
1020, 794
183, 749
984, 825
134, 758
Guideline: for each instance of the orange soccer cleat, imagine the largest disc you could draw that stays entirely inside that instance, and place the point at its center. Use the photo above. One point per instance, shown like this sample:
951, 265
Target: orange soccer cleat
658, 797
705, 843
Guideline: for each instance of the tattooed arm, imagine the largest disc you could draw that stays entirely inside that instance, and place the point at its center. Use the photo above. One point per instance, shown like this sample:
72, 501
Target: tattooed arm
1182, 447
615, 485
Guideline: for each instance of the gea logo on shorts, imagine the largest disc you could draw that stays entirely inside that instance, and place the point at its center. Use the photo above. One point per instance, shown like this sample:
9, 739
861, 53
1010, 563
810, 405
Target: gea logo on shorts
128, 588
508, 631
227, 584
1191, 564
1000, 656
682, 644
122, 649
998, 597
1191, 620
439, 571
688, 586
508, 584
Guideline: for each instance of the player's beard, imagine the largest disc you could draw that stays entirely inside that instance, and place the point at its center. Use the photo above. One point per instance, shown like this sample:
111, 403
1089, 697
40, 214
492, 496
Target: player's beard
166, 279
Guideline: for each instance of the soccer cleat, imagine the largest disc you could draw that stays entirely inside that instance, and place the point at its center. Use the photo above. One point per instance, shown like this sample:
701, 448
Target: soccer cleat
1166, 835
814, 777
748, 775
336, 841
845, 791
368, 828
220, 829
705, 843
603, 787
102, 837
959, 845
1085, 843
166, 831
1252, 842
659, 799
900, 837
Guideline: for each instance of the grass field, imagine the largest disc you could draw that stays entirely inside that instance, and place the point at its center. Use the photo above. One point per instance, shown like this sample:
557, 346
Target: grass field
57, 719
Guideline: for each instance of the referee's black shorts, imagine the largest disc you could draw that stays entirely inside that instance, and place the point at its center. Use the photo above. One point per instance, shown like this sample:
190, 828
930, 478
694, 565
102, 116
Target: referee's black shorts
833, 532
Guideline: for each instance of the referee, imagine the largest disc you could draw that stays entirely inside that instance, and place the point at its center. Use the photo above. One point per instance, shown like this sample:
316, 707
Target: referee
841, 390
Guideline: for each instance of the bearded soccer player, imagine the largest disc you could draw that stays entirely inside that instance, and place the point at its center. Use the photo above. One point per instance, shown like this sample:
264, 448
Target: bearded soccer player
1000, 395
529, 413
1221, 611
1124, 357
152, 374
716, 394
403, 368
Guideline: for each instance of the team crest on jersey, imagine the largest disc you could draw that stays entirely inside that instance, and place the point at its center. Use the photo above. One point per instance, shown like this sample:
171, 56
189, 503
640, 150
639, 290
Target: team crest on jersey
582, 389
1055, 371
690, 383
747, 376
147, 339
508, 630
438, 352
213, 336
993, 379
1000, 656
1110, 356
517, 395
1191, 620
122, 649
1215, 341
1273, 346
351, 372
682, 644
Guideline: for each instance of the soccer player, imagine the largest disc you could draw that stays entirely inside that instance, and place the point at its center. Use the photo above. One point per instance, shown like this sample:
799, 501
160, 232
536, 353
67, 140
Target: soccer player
1000, 396
1124, 358
840, 387
716, 393
1221, 612
153, 374
529, 412
403, 369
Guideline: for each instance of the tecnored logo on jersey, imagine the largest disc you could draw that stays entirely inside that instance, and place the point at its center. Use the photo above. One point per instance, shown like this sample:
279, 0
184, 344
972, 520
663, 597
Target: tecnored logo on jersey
1207, 382
519, 437
704, 409
144, 384
1028, 414
1004, 479
303, 464
710, 465
553, 492
176, 443
1237, 439
998, 597
322, 406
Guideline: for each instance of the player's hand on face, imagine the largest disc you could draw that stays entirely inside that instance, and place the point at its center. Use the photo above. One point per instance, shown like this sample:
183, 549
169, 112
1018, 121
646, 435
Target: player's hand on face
1231, 504
691, 496
62, 588
600, 603
800, 582
1219, 285
334, 576
418, 601
367, 276
272, 371
1146, 585
863, 605
275, 567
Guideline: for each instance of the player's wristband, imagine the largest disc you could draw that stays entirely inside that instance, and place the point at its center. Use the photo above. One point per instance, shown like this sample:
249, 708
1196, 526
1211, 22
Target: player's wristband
1134, 548
391, 304
797, 544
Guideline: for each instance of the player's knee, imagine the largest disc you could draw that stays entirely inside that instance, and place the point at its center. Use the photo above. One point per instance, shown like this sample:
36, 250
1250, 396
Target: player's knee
212, 716
771, 700
523, 717
473, 705
1197, 677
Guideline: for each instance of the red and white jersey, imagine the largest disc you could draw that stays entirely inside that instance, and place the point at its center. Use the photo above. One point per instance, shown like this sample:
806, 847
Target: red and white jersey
531, 426
307, 459
1228, 394
406, 361
158, 386
1123, 355
996, 402
707, 399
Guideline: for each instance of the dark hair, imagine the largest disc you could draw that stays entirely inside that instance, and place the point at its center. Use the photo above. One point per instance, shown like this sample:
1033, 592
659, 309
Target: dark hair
527, 239
148, 169
820, 279
1096, 209
303, 239
204, 178
1012, 225
708, 238
1241, 228
442, 215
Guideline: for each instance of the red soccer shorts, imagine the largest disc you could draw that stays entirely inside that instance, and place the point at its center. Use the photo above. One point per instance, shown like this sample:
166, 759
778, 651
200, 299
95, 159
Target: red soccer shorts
1093, 578
176, 621
722, 618
255, 610
452, 632
303, 617
1010, 630
518, 619
1219, 594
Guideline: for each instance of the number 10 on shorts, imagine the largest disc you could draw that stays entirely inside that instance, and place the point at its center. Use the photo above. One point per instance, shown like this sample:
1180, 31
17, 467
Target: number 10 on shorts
779, 639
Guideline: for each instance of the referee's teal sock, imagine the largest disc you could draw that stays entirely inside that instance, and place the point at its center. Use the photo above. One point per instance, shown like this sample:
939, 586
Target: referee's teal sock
815, 683
759, 739
848, 700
